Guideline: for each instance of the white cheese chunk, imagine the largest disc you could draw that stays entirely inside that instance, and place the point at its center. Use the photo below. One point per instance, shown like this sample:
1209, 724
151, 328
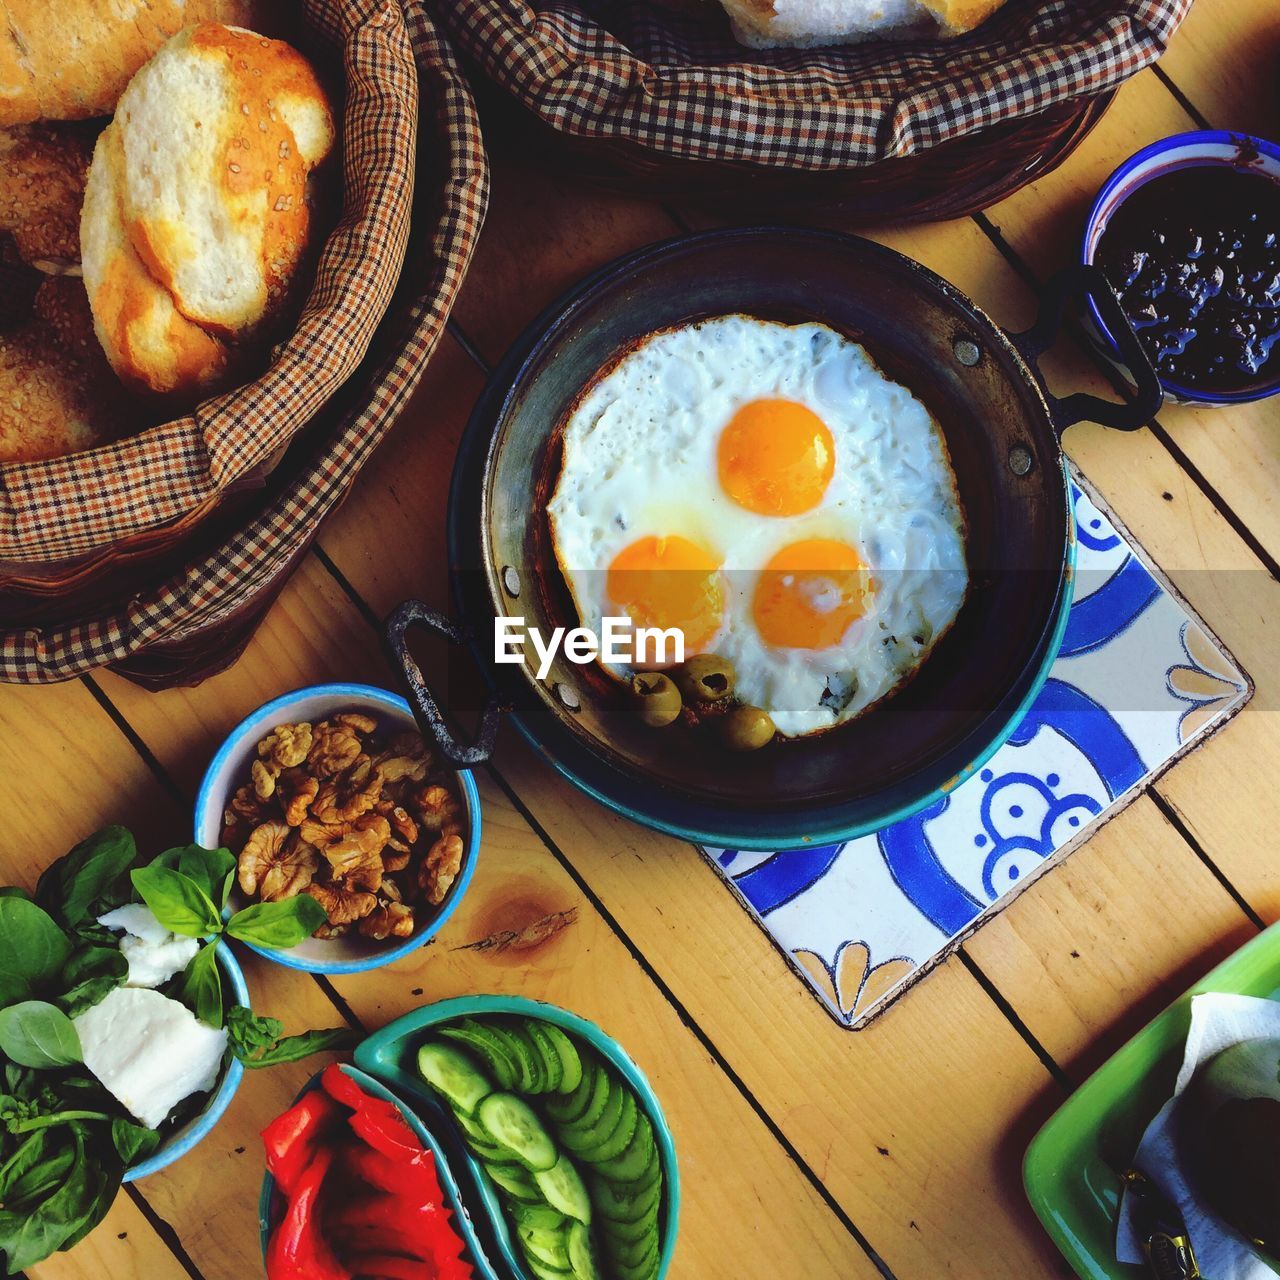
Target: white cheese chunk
149, 1052
136, 918
154, 954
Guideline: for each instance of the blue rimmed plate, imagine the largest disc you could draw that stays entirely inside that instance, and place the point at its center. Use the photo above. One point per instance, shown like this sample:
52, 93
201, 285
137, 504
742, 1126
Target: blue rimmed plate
391, 1055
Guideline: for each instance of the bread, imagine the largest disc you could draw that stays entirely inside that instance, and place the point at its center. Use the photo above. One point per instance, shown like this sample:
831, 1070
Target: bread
196, 215
71, 59
772, 24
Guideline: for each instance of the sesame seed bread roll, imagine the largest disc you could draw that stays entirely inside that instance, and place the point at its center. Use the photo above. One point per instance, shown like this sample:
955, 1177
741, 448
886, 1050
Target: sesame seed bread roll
196, 215
71, 59
774, 24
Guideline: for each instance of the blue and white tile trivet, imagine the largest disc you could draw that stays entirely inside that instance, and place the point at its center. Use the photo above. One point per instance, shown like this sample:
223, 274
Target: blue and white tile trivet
1137, 682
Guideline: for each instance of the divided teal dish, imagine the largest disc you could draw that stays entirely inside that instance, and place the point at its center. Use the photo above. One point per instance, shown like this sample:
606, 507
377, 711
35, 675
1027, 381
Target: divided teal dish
391, 1055
1072, 1167
267, 1210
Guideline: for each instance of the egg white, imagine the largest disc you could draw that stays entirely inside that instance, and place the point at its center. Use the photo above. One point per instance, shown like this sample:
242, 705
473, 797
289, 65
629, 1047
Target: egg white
640, 458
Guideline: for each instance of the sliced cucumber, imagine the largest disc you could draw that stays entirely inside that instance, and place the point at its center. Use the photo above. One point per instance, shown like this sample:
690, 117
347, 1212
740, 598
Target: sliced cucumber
452, 1073
514, 1179
624, 1204
617, 1142
645, 1269
562, 1188
489, 1152
546, 1246
634, 1161
571, 1107
570, 1058
629, 1232
538, 1215
630, 1253
552, 1069
581, 1138
601, 1092
489, 1046
530, 1061
540, 1270
582, 1253
514, 1124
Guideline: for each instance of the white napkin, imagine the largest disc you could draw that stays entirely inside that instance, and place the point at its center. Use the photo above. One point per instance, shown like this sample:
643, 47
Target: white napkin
1217, 1022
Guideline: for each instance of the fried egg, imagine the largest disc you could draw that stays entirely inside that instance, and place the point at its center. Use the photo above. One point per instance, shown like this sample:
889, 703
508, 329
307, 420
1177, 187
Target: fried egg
768, 490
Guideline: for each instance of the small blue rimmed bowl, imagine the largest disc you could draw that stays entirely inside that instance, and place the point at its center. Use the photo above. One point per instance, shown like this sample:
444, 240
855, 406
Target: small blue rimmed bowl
1204, 148
180, 1142
391, 1054
229, 769
270, 1207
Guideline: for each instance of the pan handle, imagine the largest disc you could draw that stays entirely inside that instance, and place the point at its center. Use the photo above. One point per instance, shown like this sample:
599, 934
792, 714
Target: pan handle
1088, 282
426, 710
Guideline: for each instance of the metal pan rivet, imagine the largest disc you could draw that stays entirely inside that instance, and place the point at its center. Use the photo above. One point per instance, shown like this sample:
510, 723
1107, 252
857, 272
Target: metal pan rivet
568, 696
511, 580
967, 351
1019, 460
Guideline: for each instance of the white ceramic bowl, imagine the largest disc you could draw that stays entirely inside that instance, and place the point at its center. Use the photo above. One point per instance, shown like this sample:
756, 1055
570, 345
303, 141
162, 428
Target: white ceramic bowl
230, 768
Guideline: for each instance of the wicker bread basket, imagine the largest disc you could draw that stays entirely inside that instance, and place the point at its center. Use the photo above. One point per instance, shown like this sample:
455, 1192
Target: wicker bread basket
159, 556
657, 96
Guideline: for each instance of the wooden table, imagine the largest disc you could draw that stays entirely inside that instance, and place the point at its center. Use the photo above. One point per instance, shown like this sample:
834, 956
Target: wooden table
806, 1150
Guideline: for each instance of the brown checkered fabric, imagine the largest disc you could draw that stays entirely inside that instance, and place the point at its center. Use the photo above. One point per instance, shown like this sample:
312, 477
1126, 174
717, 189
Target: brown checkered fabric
52, 510
381, 40
668, 76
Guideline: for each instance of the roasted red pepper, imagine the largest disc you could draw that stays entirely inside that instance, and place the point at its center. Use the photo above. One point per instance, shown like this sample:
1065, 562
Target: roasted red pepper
383, 1214
298, 1248
293, 1138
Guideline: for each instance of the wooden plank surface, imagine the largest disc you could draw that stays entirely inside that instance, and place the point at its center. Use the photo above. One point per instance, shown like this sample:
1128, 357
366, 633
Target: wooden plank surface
805, 1150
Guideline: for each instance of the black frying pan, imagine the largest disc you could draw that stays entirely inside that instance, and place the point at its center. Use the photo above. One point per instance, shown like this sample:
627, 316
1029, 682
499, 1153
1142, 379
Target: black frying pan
1002, 428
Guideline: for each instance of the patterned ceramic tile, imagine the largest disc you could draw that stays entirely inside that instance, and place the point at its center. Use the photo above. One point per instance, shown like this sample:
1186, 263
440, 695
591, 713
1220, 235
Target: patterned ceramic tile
1137, 681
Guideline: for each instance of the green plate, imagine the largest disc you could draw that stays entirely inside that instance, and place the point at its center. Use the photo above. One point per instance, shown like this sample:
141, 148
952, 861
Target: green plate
1072, 1168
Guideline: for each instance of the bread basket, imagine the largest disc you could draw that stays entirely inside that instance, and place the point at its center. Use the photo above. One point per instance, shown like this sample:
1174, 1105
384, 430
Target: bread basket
657, 96
158, 555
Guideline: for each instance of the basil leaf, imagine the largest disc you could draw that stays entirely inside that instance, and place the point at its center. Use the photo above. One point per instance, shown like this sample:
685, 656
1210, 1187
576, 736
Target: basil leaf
201, 986
293, 1048
248, 1030
33, 949
278, 925
70, 887
15, 891
38, 1034
177, 901
133, 1142
211, 869
92, 972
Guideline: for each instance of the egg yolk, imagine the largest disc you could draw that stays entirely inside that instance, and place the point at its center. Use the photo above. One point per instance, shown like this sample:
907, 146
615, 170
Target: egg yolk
809, 594
776, 458
669, 582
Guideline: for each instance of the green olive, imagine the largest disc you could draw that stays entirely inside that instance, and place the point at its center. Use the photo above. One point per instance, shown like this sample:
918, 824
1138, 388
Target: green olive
747, 728
705, 678
655, 698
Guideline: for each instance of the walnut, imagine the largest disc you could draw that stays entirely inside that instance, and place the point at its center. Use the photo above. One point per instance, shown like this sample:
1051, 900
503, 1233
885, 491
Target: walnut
244, 806
391, 890
435, 805
355, 858
273, 864
395, 857
357, 722
296, 791
404, 826
388, 920
409, 744
440, 868
321, 834
342, 906
349, 797
333, 750
286, 746
264, 775
396, 768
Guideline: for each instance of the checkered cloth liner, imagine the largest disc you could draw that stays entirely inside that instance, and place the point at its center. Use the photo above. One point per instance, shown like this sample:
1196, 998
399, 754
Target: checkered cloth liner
172, 466
668, 77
